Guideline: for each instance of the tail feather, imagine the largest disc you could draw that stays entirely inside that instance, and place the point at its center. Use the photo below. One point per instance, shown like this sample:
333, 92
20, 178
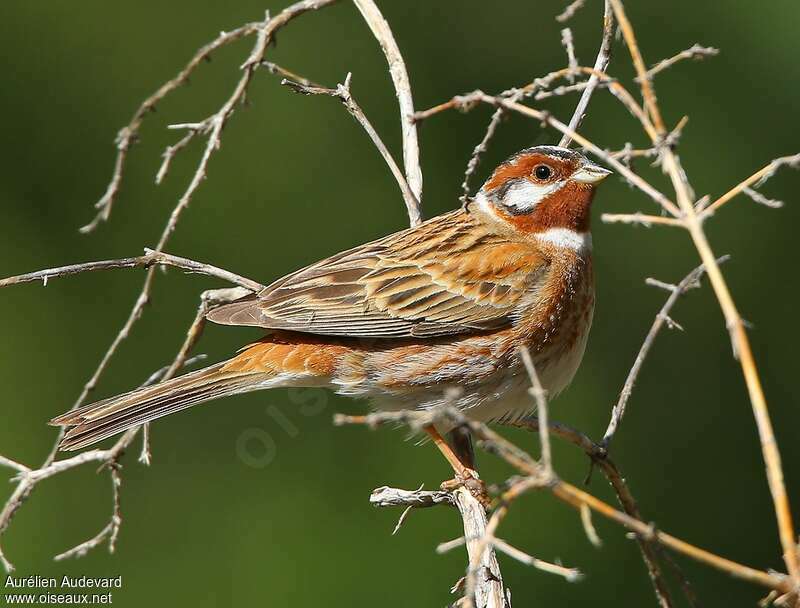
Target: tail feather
97, 421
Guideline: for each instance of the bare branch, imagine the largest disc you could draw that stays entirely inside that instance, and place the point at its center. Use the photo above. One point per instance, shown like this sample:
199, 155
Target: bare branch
763, 200
129, 134
648, 93
540, 397
572, 575
570, 11
565, 90
397, 69
481, 149
111, 529
588, 526
696, 52
484, 583
11, 464
342, 92
149, 259
600, 65
690, 281
534, 479
171, 151
28, 479
274, 68
641, 219
599, 458
734, 322
757, 179
569, 46
420, 499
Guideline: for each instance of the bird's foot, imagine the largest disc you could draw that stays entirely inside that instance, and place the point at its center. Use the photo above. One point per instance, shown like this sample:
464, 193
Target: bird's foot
469, 479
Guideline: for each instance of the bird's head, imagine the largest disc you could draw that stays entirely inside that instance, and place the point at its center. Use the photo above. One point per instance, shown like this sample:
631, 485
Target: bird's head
544, 190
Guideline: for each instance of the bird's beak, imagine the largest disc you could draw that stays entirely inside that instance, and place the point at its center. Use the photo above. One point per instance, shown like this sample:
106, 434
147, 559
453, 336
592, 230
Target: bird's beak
589, 173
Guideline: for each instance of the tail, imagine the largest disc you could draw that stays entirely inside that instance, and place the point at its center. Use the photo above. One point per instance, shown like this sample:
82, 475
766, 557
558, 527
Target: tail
92, 423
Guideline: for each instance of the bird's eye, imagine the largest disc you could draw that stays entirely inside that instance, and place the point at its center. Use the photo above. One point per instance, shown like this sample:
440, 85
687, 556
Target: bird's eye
542, 172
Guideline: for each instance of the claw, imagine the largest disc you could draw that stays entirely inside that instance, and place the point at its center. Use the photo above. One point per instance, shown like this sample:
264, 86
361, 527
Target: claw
470, 480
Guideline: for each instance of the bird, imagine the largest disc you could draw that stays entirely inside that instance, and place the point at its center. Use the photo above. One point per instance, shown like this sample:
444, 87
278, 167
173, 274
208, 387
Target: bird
433, 314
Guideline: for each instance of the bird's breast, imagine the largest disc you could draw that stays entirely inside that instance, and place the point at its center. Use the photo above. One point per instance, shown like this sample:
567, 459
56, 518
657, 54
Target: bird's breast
555, 325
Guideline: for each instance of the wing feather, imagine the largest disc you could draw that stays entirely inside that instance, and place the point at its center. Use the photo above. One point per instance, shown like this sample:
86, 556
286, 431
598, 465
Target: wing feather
451, 275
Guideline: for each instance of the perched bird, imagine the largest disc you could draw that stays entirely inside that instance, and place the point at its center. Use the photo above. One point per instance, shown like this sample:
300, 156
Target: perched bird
401, 320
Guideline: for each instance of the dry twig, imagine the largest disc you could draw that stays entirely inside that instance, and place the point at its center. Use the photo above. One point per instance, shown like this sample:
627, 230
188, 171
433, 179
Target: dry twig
540, 398
28, 478
569, 12
212, 127
533, 478
129, 134
150, 259
569, 46
342, 92
696, 51
690, 281
757, 179
483, 582
397, 69
734, 321
600, 66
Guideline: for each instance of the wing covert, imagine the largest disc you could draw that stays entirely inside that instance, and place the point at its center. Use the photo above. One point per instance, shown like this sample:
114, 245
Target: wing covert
451, 275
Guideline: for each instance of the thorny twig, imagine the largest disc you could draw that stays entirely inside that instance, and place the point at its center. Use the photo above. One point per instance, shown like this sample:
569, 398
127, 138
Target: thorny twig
641, 219
540, 398
397, 70
696, 51
212, 127
28, 478
274, 68
690, 281
111, 530
569, 46
342, 92
600, 458
733, 320
757, 179
515, 95
150, 259
129, 134
600, 66
535, 475
569, 12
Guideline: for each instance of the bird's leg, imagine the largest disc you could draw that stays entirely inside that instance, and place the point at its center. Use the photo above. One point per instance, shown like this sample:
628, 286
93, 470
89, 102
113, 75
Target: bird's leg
465, 475
461, 441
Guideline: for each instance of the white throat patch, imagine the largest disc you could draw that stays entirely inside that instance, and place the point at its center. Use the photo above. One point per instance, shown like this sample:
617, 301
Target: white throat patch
580, 242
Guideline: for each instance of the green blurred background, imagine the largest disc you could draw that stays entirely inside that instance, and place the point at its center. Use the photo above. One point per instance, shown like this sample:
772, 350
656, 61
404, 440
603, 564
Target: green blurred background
258, 499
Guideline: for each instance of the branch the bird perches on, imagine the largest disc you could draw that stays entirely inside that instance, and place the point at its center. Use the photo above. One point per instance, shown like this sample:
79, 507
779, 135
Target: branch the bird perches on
483, 584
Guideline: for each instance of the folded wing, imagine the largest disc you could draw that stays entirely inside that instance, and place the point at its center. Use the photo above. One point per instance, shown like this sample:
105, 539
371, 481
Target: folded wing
451, 275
